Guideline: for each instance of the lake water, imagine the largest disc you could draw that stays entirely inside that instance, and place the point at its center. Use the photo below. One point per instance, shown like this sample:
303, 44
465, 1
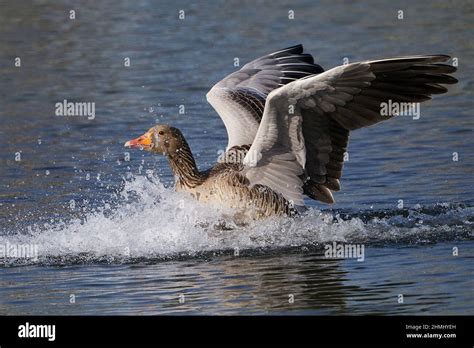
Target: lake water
114, 238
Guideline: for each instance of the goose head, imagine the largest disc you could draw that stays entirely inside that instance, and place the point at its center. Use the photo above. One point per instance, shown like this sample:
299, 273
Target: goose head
160, 139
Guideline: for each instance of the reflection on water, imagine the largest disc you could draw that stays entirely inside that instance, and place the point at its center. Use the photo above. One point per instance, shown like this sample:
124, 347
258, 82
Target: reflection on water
251, 285
174, 62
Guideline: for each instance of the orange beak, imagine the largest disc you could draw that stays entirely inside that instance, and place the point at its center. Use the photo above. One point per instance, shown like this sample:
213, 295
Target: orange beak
142, 142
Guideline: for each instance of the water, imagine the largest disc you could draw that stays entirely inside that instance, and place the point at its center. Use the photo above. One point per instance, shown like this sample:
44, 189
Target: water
114, 235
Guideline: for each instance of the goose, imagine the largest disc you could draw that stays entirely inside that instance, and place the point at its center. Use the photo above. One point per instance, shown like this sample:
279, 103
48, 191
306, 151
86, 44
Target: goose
288, 123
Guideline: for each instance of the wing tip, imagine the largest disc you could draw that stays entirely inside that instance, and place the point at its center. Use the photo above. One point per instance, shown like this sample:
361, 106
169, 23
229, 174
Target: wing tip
296, 49
430, 58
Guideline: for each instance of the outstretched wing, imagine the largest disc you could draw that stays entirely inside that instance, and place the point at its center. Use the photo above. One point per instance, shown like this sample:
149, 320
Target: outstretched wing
239, 99
305, 126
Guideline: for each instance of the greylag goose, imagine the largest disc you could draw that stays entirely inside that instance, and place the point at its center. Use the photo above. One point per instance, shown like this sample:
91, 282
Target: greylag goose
288, 124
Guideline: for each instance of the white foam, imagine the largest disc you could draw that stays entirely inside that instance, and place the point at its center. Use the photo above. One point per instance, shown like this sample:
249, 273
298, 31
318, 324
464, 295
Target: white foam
155, 221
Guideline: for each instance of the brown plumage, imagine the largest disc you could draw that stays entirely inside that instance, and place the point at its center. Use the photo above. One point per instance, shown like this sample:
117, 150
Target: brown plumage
224, 183
288, 124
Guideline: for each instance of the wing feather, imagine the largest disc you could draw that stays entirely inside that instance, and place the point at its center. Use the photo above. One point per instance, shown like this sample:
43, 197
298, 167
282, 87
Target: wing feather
310, 142
239, 98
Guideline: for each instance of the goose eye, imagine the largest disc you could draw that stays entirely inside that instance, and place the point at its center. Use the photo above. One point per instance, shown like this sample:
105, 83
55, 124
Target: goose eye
161, 132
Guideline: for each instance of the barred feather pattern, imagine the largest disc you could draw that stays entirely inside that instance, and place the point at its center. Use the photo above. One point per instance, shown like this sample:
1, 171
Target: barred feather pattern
224, 184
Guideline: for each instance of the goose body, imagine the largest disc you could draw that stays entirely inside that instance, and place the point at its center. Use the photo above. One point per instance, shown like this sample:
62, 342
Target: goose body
224, 183
288, 124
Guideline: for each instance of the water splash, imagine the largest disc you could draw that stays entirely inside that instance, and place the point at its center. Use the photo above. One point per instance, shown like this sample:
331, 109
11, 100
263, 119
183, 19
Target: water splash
154, 222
